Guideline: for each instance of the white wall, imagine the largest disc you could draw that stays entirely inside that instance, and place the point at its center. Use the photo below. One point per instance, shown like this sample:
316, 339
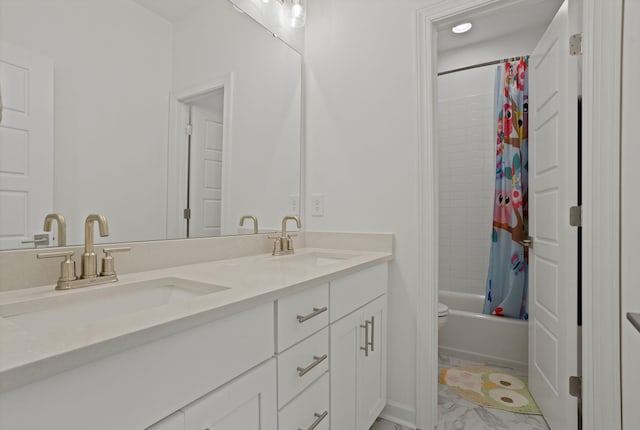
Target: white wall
361, 149
630, 209
466, 151
265, 117
514, 45
96, 47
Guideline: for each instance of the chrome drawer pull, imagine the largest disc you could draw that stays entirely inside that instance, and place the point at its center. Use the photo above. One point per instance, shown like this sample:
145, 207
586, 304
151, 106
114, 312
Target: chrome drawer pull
316, 312
373, 326
319, 418
365, 348
317, 360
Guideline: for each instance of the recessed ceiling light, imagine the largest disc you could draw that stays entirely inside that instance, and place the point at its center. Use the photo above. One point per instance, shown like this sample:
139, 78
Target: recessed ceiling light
462, 28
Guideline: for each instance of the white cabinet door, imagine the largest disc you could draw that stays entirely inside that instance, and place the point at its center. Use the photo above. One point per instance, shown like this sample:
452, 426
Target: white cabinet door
346, 339
247, 403
372, 368
358, 376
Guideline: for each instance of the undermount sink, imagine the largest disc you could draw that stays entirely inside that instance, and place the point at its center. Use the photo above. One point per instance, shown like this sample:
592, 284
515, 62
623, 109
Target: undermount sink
316, 259
55, 313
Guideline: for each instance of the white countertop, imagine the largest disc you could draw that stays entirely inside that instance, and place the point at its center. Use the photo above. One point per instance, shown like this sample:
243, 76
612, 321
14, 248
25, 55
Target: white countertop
27, 356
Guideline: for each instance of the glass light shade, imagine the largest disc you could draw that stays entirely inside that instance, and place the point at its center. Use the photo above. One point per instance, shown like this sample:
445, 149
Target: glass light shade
298, 15
462, 28
297, 10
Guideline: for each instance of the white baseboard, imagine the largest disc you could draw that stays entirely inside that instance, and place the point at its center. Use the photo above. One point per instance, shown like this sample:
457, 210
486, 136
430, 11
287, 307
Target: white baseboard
399, 414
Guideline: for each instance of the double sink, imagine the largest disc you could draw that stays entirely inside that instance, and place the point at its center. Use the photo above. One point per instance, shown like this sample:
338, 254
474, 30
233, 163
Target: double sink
95, 304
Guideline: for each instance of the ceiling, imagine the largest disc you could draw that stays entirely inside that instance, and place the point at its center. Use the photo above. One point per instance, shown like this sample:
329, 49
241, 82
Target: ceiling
516, 16
171, 10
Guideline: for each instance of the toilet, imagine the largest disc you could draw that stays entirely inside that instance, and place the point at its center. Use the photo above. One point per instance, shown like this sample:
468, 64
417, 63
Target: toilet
443, 312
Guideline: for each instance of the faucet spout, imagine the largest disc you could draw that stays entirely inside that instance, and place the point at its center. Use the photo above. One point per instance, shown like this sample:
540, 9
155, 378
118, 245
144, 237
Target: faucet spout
252, 218
62, 227
284, 224
89, 258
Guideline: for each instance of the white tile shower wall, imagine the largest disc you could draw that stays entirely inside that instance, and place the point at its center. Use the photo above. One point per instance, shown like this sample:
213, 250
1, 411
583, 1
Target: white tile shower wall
465, 127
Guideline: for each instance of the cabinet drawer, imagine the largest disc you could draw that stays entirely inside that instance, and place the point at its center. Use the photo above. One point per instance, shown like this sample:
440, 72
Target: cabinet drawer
310, 407
354, 291
299, 366
301, 315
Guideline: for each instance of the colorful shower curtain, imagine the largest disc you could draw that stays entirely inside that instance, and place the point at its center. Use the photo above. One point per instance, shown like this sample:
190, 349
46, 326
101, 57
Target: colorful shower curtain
506, 289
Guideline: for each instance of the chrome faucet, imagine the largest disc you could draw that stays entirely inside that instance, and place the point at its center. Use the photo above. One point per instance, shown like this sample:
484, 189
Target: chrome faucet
89, 258
62, 227
252, 218
283, 244
89, 276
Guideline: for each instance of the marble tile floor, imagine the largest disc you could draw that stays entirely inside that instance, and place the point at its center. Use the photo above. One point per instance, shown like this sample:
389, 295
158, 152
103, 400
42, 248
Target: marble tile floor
456, 413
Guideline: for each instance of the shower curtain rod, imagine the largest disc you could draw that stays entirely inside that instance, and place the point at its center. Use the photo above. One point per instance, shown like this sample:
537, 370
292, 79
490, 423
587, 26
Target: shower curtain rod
475, 66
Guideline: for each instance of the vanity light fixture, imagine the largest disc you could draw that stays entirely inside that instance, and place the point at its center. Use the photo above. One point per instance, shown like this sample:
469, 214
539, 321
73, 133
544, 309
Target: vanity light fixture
462, 28
298, 15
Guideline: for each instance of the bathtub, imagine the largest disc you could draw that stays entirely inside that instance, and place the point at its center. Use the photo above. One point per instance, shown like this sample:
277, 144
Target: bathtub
472, 335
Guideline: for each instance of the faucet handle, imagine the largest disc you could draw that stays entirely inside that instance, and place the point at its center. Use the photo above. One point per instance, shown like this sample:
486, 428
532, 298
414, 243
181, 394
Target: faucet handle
67, 267
108, 265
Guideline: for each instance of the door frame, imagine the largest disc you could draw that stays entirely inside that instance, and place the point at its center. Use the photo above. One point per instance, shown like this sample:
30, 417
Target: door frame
602, 35
177, 157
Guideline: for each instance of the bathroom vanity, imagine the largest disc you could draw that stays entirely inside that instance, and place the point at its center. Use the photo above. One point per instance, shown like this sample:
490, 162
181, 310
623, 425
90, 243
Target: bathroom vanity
255, 342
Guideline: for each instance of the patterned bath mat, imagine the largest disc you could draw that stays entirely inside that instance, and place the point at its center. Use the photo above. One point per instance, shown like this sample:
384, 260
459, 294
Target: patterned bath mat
491, 388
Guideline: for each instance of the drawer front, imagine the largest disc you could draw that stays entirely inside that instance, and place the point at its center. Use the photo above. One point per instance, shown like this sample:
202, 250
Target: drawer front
353, 291
301, 315
311, 407
299, 366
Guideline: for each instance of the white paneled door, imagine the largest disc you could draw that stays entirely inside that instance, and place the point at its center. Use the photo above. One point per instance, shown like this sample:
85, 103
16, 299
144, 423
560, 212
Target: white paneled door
26, 144
553, 329
205, 195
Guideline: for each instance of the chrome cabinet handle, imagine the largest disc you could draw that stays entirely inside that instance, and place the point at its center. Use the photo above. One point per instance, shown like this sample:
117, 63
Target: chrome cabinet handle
319, 418
317, 360
315, 313
365, 348
373, 326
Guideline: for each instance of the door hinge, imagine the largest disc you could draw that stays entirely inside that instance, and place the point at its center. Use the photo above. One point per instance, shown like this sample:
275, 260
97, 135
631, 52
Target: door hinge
575, 44
187, 213
575, 216
188, 129
575, 386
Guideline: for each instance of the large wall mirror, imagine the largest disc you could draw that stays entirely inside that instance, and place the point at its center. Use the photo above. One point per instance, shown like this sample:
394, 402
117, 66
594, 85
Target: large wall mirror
172, 118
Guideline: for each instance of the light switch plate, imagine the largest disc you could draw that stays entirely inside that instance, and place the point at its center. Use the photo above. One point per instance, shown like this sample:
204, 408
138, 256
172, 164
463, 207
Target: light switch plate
317, 205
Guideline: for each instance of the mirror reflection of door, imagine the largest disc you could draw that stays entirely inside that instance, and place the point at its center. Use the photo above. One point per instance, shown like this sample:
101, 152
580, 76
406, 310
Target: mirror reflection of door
26, 145
205, 160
